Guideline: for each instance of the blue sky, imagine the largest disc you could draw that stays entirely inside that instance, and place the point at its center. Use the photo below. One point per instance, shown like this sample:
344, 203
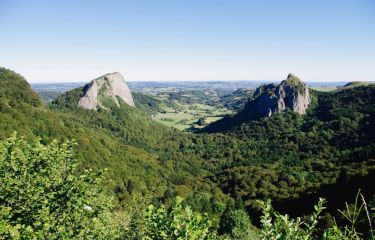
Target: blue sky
71, 40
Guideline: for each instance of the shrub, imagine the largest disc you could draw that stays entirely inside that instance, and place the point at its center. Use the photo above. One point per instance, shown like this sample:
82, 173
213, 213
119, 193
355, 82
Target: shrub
276, 226
176, 223
43, 197
237, 225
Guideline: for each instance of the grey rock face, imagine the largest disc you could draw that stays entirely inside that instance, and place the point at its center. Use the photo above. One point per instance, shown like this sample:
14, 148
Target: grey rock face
291, 93
104, 88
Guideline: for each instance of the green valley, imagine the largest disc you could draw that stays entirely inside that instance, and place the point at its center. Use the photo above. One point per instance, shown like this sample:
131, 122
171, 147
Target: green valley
231, 159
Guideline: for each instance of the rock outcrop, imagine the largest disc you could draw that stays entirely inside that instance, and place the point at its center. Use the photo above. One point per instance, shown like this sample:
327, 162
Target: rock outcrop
107, 88
269, 99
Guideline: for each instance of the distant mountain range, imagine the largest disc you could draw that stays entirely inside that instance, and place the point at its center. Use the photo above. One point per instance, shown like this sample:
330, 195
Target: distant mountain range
139, 85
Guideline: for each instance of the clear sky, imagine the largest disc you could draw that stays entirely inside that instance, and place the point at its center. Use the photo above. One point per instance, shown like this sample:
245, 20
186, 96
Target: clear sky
78, 40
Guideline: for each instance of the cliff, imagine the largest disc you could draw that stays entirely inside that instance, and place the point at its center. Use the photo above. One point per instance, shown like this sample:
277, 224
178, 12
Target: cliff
104, 88
291, 93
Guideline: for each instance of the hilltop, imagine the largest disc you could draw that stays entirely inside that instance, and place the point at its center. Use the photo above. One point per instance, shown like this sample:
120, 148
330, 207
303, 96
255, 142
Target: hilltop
105, 90
291, 94
354, 84
342, 87
14, 90
102, 92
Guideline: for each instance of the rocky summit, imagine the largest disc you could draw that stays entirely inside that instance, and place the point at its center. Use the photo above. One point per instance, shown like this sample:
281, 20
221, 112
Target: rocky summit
107, 87
291, 93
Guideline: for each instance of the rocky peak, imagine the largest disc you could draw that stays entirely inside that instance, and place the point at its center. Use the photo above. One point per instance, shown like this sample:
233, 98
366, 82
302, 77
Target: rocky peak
291, 93
292, 81
292, 77
107, 87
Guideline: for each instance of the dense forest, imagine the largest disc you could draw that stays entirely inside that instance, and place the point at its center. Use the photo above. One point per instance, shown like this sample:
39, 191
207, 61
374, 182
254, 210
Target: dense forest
222, 172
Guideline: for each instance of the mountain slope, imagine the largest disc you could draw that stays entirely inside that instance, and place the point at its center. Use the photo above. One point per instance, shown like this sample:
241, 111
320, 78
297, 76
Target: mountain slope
291, 94
142, 156
354, 84
291, 156
237, 99
14, 90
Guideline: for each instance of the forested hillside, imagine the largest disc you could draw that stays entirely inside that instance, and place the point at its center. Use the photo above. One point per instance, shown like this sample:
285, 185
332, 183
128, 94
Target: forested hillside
294, 154
142, 156
289, 158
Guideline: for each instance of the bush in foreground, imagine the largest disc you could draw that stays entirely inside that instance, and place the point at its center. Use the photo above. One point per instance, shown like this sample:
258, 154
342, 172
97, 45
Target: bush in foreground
43, 197
276, 226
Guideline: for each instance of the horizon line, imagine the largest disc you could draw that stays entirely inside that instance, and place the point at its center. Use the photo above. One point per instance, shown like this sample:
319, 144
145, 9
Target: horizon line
229, 80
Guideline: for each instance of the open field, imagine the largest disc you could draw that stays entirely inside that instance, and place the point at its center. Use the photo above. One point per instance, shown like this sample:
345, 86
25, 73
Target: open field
187, 116
324, 88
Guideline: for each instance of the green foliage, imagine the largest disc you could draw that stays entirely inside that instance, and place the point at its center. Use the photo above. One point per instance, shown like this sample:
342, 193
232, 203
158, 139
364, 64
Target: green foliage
147, 103
14, 91
354, 84
43, 197
237, 99
176, 223
69, 99
191, 97
286, 157
142, 155
351, 214
236, 225
277, 226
